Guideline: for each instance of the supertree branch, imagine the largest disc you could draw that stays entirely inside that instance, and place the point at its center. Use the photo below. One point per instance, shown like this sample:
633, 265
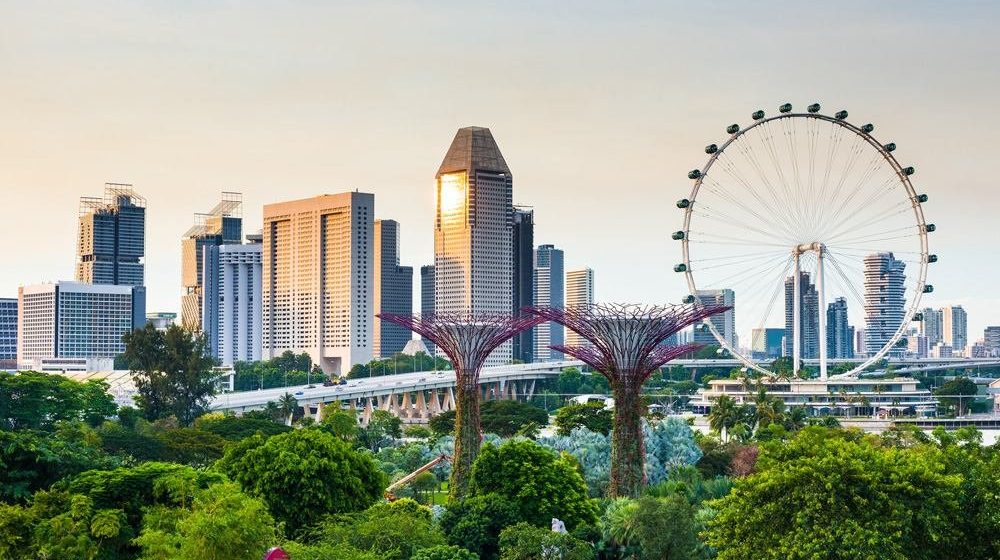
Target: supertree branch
467, 339
626, 346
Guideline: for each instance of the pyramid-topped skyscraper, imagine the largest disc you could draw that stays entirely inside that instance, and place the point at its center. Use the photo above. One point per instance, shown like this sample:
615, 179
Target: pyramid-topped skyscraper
473, 228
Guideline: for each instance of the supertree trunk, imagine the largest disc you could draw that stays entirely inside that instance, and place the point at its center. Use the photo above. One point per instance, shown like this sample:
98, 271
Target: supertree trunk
467, 434
627, 446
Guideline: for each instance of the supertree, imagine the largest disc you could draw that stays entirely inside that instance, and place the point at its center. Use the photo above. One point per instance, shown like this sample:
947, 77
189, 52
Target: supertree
467, 339
626, 347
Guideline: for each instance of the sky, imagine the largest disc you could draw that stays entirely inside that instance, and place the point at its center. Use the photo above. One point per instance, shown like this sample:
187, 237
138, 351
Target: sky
600, 109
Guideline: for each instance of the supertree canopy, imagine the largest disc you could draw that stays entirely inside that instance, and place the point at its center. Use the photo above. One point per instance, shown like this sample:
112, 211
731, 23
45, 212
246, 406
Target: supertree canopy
627, 344
467, 339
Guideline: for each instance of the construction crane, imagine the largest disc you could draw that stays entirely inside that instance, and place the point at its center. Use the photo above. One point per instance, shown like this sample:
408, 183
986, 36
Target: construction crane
389, 496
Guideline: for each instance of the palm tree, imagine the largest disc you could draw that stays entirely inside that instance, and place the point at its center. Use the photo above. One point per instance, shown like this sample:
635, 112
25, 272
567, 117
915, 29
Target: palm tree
724, 415
288, 404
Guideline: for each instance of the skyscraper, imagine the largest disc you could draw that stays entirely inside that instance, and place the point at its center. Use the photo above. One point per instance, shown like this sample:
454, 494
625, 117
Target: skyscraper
112, 237
232, 305
222, 225
991, 340
930, 326
549, 292
725, 322
579, 294
808, 317
954, 328
393, 291
523, 248
76, 320
318, 276
839, 332
766, 343
473, 228
427, 298
885, 301
8, 333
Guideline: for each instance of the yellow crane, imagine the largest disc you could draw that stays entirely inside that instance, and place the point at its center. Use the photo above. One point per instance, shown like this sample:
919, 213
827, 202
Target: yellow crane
389, 496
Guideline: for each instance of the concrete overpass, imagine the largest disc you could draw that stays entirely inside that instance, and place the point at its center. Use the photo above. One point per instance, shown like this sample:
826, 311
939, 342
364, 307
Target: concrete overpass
414, 397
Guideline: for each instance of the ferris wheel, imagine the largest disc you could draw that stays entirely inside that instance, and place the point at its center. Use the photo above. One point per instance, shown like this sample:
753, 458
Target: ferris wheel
796, 212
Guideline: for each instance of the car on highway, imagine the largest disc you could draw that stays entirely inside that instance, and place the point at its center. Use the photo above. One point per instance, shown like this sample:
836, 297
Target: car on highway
298, 393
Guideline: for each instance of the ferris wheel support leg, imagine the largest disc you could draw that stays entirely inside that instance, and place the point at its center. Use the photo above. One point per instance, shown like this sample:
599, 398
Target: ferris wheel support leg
796, 318
822, 314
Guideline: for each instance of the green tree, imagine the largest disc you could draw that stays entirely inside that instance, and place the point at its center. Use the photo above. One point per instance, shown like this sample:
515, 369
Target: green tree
541, 483
504, 418
32, 400
383, 428
524, 541
172, 372
393, 531
666, 528
592, 415
832, 494
221, 523
723, 416
63, 525
288, 405
341, 423
957, 394
304, 475
475, 523
32, 460
444, 552
235, 428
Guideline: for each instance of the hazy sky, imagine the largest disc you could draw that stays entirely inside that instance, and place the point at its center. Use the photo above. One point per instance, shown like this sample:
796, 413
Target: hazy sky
600, 109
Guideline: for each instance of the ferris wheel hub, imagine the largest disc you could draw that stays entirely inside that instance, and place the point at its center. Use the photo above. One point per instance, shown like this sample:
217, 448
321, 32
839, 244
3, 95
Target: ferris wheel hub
806, 247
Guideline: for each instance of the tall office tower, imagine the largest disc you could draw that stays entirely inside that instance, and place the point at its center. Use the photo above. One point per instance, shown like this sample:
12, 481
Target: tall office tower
8, 333
766, 344
76, 320
808, 317
318, 275
232, 280
991, 340
473, 228
427, 298
523, 250
222, 225
930, 326
550, 291
579, 294
839, 332
916, 344
112, 237
885, 301
725, 323
393, 291
954, 328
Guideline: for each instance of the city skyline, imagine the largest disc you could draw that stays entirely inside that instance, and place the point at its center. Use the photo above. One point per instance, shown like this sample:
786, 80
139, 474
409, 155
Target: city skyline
649, 128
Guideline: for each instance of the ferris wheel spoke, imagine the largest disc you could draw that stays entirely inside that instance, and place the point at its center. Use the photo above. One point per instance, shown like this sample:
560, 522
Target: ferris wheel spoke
793, 196
855, 151
731, 261
746, 272
847, 284
779, 200
724, 193
731, 221
696, 237
778, 287
728, 167
830, 218
869, 212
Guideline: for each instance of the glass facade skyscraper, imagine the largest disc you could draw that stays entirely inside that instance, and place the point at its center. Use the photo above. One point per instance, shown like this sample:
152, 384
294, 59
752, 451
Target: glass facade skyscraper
523, 343
8, 333
724, 322
885, 301
473, 229
808, 317
839, 332
111, 242
393, 291
222, 225
550, 291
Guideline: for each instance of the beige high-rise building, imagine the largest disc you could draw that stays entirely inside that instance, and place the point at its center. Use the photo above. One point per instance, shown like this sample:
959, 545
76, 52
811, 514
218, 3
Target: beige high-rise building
318, 279
473, 228
954, 328
579, 293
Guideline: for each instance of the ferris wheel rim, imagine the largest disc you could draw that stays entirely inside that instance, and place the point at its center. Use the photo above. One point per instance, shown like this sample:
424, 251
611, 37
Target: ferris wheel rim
904, 180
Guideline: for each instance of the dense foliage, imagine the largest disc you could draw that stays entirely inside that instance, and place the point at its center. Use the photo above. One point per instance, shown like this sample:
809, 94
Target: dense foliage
172, 372
504, 418
303, 475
